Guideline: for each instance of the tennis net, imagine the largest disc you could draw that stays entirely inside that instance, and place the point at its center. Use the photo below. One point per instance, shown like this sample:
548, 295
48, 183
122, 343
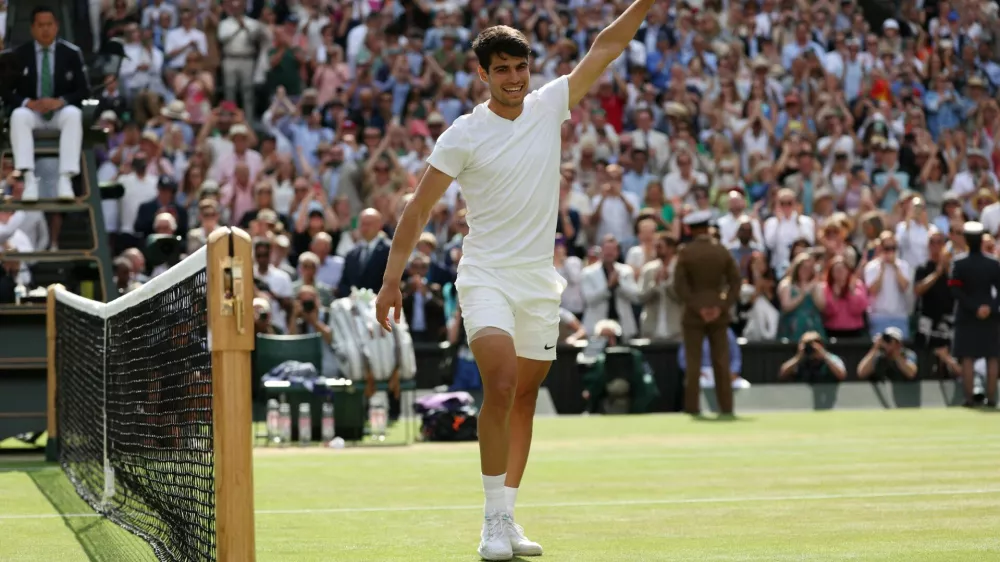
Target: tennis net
134, 406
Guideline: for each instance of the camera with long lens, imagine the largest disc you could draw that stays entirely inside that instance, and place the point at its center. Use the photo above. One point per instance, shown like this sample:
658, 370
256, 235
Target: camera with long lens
810, 349
163, 249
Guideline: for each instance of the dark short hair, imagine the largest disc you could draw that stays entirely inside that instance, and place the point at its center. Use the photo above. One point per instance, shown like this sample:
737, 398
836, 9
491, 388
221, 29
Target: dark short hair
42, 10
500, 39
667, 238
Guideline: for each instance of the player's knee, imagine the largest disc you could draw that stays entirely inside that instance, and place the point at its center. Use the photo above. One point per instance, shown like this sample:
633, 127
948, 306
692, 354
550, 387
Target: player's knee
525, 398
500, 387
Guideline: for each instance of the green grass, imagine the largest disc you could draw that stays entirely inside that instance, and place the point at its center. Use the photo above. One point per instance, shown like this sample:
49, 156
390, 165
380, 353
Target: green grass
903, 485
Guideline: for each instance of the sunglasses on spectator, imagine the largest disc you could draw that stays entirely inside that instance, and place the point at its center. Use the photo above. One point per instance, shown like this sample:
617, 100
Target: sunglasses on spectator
786, 203
889, 248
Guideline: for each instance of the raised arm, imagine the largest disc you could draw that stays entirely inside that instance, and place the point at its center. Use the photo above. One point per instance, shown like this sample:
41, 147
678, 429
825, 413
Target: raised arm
608, 46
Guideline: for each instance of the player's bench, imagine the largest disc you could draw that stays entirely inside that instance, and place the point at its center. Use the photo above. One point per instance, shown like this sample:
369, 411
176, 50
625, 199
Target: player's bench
348, 396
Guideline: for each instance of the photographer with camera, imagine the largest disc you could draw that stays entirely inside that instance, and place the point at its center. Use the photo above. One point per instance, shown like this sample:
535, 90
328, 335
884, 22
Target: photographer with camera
163, 246
309, 317
813, 363
888, 359
262, 317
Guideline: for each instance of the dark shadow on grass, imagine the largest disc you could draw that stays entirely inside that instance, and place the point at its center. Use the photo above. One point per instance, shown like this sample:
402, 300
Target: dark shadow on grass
951, 393
723, 418
102, 540
825, 395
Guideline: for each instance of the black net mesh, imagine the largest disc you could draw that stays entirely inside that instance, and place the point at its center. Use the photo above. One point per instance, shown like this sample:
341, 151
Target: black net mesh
80, 399
157, 398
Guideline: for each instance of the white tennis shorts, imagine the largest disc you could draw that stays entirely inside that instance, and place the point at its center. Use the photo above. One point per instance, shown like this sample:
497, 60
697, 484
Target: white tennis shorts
524, 302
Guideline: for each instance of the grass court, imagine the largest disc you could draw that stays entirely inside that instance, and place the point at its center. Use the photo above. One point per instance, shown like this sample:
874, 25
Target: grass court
888, 485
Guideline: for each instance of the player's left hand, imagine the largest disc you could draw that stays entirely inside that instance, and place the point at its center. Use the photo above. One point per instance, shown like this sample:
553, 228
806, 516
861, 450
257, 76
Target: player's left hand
389, 296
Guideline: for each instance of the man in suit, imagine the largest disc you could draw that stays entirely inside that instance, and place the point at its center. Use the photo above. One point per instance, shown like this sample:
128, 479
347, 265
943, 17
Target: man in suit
661, 311
165, 201
47, 94
609, 291
423, 303
707, 281
364, 265
975, 284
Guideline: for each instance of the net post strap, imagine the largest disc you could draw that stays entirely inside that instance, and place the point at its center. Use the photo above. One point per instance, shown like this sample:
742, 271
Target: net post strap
109, 474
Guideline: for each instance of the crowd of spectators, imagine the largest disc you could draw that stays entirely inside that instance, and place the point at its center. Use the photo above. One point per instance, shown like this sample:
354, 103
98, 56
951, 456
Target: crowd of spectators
840, 152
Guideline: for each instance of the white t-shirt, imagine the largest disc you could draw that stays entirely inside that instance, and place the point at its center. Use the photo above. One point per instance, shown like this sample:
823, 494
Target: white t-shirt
137, 191
509, 175
281, 287
179, 37
890, 300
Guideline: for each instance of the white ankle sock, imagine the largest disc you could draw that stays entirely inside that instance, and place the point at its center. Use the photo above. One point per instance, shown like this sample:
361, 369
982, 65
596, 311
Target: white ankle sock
511, 496
493, 487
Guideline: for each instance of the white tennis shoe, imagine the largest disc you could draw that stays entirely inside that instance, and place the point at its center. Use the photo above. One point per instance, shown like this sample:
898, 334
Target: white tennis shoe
494, 544
520, 545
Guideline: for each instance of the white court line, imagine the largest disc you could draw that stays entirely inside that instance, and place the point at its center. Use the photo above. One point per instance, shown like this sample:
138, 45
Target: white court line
557, 455
675, 501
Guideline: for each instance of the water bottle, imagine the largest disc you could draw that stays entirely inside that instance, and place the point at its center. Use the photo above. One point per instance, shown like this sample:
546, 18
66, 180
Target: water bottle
20, 293
305, 424
273, 422
377, 417
285, 421
328, 432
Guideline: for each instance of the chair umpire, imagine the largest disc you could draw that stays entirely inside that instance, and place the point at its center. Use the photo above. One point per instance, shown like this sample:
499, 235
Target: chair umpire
707, 281
47, 92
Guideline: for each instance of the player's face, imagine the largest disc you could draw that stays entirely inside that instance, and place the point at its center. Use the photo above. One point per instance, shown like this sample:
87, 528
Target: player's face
44, 28
507, 78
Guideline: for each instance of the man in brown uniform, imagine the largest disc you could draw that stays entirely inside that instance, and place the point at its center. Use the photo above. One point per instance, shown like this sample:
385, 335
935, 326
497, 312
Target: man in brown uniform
707, 281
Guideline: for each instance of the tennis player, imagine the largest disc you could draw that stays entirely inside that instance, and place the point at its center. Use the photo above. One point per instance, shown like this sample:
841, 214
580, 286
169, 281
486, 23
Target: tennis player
505, 155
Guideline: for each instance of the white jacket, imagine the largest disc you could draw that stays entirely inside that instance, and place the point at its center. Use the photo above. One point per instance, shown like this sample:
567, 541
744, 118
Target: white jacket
597, 298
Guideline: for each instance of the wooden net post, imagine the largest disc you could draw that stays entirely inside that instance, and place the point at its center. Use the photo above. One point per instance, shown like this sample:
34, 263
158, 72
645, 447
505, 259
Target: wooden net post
229, 265
52, 427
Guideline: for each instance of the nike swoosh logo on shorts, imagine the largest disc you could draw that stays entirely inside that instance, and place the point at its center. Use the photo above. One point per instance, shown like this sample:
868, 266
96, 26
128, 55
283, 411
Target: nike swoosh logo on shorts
548, 347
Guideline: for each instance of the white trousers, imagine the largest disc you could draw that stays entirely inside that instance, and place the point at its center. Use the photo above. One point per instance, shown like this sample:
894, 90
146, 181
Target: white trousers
68, 121
237, 75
